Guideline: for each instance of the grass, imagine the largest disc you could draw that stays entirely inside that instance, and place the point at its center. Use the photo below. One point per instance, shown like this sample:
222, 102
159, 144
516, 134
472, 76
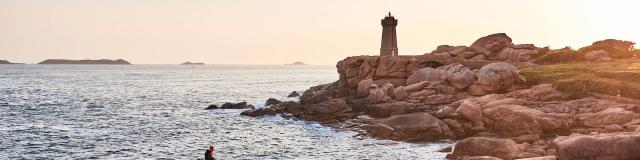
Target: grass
619, 76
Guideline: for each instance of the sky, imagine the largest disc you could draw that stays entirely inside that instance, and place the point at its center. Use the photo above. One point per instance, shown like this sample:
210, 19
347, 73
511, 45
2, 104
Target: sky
284, 31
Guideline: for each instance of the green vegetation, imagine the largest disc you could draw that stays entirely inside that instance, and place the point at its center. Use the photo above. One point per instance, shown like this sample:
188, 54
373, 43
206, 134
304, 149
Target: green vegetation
560, 56
635, 52
566, 55
613, 52
619, 76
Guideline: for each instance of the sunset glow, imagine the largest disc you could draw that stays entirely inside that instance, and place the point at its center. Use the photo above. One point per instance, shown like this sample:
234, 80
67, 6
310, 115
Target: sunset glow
283, 31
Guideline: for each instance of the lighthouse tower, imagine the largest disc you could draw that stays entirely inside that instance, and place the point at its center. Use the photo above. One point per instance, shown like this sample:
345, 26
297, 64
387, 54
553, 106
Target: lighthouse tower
389, 46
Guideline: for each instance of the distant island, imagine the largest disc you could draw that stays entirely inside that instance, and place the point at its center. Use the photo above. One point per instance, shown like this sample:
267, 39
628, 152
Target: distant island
86, 61
297, 63
7, 62
189, 63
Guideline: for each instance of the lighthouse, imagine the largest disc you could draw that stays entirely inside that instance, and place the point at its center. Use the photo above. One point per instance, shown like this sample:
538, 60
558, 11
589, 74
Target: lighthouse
389, 45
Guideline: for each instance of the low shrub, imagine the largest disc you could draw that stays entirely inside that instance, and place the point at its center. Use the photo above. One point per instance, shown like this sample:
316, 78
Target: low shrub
635, 52
613, 52
560, 56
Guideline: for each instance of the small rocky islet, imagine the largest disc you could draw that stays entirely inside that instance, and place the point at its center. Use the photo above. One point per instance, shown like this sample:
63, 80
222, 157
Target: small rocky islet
192, 63
7, 62
499, 100
297, 63
86, 61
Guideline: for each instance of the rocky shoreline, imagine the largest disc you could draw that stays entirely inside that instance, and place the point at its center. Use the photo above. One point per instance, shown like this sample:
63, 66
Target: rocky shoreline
475, 95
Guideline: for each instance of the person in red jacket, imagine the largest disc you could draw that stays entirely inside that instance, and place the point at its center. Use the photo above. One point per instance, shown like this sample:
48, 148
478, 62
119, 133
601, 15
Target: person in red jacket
208, 155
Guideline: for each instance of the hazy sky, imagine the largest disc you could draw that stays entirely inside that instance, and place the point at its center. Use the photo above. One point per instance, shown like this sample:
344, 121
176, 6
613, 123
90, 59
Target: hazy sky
283, 31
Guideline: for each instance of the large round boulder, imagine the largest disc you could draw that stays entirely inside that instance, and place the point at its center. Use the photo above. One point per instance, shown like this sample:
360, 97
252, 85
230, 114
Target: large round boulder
493, 42
363, 87
498, 76
458, 75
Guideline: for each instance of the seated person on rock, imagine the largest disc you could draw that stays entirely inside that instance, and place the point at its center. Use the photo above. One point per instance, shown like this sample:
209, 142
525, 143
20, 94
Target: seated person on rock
208, 155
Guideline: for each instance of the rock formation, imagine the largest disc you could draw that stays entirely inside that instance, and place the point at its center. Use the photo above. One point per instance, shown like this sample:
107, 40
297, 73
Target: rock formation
619, 146
481, 146
272, 101
497, 46
410, 127
241, 105
294, 94
473, 94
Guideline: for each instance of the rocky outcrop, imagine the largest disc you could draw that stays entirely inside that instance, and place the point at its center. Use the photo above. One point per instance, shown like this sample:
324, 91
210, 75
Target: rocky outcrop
321, 93
458, 75
384, 110
101, 61
480, 146
294, 94
477, 158
618, 146
474, 94
363, 88
470, 110
498, 76
513, 120
493, 43
410, 127
356, 73
259, 112
613, 115
497, 47
272, 101
330, 110
541, 92
241, 105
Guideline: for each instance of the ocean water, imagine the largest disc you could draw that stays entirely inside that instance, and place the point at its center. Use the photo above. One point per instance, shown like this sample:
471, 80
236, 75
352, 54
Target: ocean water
156, 112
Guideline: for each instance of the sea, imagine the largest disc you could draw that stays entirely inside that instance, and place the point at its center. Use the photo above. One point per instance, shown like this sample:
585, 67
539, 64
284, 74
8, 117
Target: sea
157, 112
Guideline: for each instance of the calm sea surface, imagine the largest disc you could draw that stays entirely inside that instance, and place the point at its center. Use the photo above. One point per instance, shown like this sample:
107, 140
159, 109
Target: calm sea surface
156, 112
